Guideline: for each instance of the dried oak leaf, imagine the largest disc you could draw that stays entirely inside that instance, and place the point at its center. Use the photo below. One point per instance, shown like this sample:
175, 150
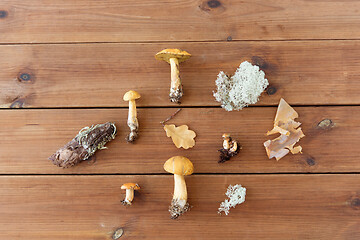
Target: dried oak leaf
181, 136
290, 132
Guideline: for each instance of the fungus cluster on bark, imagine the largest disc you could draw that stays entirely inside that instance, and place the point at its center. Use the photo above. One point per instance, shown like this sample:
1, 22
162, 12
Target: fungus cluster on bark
230, 148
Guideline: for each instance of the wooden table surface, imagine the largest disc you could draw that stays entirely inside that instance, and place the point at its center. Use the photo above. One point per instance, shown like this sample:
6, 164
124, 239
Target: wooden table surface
66, 64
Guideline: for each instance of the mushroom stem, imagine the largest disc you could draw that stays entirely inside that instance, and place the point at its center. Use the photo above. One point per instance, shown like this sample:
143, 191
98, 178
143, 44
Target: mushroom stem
129, 196
132, 121
180, 191
176, 87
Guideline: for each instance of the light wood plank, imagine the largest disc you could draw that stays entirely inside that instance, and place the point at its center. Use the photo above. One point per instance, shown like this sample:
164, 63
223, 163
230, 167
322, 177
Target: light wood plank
88, 207
35, 21
29, 137
97, 75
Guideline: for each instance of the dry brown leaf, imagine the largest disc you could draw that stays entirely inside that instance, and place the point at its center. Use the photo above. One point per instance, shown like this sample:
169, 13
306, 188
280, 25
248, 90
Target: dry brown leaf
289, 130
181, 136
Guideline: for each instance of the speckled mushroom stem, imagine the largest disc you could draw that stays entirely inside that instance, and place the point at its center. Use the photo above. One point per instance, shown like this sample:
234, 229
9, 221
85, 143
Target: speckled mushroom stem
180, 191
179, 204
176, 91
129, 196
132, 122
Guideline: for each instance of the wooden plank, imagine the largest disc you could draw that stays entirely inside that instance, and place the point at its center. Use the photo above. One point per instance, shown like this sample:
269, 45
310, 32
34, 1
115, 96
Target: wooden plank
29, 137
35, 21
88, 207
97, 75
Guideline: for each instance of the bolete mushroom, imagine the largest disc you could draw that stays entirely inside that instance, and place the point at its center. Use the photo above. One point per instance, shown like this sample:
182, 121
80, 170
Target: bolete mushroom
174, 57
132, 121
179, 166
130, 187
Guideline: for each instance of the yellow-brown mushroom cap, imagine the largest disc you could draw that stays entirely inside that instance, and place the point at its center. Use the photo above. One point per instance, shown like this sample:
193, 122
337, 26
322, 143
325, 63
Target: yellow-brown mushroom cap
134, 186
226, 135
179, 165
166, 54
131, 95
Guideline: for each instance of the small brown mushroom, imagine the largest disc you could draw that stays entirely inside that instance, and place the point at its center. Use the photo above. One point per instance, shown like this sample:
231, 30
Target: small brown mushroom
174, 57
179, 166
230, 148
132, 121
130, 187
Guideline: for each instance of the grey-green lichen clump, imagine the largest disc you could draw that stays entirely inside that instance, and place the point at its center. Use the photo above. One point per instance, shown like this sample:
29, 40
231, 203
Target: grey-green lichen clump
84, 145
241, 89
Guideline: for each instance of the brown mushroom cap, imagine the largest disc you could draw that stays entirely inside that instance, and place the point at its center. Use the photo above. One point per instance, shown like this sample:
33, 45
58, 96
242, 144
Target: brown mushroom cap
131, 95
179, 165
166, 54
134, 186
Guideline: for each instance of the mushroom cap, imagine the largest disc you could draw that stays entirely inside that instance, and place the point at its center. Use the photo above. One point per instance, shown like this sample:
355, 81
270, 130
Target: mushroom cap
134, 186
131, 95
226, 135
179, 165
166, 54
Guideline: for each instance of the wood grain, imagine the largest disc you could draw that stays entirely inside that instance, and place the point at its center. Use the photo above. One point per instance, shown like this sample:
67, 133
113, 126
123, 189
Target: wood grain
35, 21
97, 75
88, 207
29, 137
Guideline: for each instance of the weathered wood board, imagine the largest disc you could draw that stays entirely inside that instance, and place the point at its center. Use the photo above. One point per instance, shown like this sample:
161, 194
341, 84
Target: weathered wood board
50, 21
29, 137
88, 207
97, 75
68, 63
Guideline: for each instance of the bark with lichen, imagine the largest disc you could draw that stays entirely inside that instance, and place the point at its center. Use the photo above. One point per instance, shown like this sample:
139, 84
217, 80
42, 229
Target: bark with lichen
84, 145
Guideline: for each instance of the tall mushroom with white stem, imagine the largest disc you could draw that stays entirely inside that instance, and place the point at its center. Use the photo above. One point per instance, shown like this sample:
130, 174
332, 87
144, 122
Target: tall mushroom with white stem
174, 57
129, 187
179, 166
132, 121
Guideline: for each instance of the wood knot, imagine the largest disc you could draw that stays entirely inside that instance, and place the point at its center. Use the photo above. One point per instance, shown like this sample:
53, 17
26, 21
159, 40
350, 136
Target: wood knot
26, 77
326, 124
271, 90
256, 60
118, 233
310, 161
355, 203
3, 14
213, 4
229, 38
18, 102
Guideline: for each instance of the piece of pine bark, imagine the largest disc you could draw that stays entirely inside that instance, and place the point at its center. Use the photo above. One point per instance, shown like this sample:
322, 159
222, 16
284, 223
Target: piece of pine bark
84, 145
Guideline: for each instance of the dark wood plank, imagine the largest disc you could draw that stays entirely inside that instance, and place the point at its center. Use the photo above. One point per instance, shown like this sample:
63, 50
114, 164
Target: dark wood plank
88, 207
28, 137
97, 75
35, 21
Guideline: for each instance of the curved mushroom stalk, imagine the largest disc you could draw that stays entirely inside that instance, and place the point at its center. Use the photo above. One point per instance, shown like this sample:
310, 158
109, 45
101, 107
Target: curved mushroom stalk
176, 91
179, 204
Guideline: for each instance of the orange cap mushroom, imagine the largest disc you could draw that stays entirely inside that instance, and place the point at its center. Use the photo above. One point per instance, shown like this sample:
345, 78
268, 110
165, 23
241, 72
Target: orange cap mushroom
174, 57
129, 187
180, 167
